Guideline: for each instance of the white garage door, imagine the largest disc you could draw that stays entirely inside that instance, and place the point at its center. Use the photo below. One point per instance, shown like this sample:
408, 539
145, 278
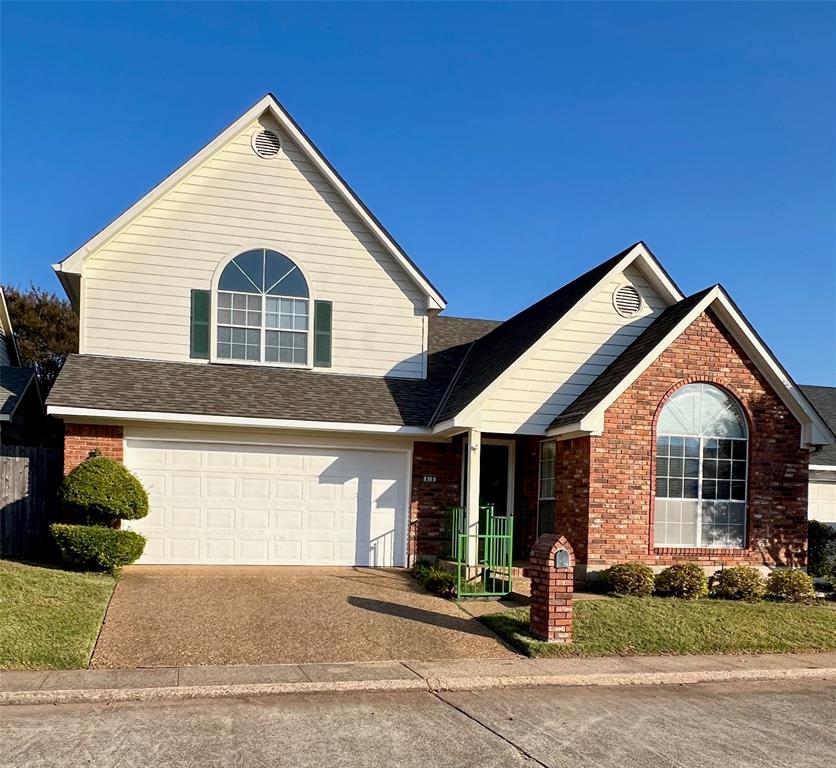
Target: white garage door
271, 505
822, 501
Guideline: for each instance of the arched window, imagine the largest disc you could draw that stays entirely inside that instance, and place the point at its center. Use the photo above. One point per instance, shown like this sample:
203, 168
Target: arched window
701, 450
262, 310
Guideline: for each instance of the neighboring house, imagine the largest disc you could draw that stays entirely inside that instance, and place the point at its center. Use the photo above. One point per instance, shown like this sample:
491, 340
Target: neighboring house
22, 415
823, 462
263, 354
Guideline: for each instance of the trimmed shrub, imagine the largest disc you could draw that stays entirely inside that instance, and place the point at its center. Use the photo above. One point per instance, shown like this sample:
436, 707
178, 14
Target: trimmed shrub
100, 489
821, 550
686, 580
627, 579
743, 582
789, 584
434, 579
97, 547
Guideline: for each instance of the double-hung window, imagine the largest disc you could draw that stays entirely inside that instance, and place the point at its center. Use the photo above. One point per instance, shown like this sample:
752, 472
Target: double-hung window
545, 494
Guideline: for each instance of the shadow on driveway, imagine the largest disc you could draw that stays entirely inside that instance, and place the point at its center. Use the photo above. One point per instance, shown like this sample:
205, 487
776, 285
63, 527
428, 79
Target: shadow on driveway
446, 621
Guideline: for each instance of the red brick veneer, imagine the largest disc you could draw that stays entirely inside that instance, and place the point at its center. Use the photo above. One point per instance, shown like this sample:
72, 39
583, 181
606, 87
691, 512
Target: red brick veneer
80, 439
620, 486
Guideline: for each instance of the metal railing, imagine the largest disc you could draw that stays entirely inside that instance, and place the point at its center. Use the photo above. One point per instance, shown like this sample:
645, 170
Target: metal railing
491, 546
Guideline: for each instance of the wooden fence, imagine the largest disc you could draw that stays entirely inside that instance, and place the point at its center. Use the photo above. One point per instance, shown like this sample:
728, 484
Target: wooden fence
29, 479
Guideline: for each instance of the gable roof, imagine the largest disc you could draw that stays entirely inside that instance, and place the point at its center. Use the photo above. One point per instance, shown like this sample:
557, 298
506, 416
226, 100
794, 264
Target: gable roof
193, 391
14, 382
493, 354
589, 409
632, 356
824, 401
71, 265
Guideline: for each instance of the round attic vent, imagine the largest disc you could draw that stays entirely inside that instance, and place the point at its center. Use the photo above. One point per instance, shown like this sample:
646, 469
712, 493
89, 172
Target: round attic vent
627, 300
266, 144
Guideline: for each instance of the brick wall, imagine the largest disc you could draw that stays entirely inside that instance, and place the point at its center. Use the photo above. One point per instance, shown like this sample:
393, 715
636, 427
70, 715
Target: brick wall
621, 477
80, 439
526, 494
571, 493
431, 498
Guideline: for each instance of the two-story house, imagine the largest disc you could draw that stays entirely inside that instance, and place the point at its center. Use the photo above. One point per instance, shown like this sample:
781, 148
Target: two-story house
282, 377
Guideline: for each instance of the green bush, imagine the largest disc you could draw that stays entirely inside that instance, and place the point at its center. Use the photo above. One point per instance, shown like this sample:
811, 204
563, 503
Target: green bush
434, 579
789, 584
743, 582
821, 550
99, 490
96, 547
627, 579
686, 580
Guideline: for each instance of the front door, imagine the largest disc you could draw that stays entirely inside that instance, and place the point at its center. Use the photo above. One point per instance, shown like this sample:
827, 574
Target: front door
493, 477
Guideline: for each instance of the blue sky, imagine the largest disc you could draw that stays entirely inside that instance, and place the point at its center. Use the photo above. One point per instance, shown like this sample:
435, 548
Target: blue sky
507, 147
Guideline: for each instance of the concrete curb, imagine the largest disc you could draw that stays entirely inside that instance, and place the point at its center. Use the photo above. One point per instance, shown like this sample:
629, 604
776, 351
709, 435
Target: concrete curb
431, 684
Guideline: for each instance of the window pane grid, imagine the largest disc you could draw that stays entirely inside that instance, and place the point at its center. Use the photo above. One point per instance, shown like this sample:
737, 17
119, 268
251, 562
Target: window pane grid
547, 470
254, 322
701, 479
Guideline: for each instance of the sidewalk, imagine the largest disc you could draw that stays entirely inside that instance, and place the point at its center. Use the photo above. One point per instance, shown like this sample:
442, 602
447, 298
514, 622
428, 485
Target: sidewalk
111, 685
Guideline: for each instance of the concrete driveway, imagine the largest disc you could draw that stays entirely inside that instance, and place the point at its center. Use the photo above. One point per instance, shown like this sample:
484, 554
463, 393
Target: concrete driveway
167, 616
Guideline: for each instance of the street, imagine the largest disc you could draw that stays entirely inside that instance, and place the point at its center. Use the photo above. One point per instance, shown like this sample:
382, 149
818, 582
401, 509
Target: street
715, 724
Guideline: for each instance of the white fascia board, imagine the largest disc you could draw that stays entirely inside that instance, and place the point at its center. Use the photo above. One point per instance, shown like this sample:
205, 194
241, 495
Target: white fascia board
813, 429
73, 263
232, 421
8, 331
822, 468
638, 253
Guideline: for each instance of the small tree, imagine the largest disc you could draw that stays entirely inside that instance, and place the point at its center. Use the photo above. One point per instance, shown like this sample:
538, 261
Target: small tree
99, 493
101, 490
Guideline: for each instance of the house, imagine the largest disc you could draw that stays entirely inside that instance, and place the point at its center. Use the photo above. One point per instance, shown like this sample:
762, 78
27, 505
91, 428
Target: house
822, 493
281, 376
22, 414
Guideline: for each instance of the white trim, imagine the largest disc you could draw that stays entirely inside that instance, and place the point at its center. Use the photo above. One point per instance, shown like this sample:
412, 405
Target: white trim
73, 263
408, 503
822, 467
8, 331
234, 421
814, 430
649, 266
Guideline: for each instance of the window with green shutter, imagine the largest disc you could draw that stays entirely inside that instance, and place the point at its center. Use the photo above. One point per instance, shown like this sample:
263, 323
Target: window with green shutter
322, 334
200, 325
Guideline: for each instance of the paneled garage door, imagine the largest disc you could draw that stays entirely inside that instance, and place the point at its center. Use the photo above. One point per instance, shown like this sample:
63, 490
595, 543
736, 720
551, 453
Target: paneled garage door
271, 505
822, 500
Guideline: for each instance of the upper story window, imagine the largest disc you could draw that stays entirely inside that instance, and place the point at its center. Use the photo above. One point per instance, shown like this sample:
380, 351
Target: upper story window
263, 310
701, 453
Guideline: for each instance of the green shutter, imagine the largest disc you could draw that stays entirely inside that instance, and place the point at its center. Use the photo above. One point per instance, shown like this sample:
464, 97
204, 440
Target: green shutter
322, 334
200, 325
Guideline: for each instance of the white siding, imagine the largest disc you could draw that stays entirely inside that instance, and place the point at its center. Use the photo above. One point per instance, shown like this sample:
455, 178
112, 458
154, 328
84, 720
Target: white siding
539, 388
4, 350
136, 287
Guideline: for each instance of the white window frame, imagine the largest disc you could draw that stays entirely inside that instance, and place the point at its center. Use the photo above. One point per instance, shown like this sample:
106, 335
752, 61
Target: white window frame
699, 498
540, 496
213, 310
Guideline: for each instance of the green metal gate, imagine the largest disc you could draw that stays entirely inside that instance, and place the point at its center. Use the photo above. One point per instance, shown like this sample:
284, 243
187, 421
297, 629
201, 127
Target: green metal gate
492, 545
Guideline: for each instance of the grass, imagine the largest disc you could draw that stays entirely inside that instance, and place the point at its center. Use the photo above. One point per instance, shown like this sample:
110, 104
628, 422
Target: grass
633, 626
49, 618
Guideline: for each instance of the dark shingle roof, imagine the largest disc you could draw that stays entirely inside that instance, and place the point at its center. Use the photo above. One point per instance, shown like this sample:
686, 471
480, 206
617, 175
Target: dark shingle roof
13, 383
615, 372
94, 381
823, 399
495, 352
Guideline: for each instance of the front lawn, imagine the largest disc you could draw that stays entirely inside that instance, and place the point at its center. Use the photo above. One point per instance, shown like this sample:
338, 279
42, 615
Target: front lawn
49, 618
631, 626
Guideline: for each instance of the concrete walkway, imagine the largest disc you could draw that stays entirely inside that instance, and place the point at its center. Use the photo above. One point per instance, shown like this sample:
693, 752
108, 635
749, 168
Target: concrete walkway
99, 685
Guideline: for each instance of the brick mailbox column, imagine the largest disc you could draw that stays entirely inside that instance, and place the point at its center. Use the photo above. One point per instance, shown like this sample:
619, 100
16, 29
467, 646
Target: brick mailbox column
552, 583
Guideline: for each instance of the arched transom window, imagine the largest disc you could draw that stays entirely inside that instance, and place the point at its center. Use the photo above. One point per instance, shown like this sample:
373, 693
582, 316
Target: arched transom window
701, 450
262, 310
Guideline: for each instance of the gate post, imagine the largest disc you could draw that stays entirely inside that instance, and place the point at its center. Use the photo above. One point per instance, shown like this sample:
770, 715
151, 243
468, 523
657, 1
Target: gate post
552, 585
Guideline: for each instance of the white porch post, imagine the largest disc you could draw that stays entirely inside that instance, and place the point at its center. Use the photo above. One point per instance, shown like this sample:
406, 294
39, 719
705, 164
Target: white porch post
474, 461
